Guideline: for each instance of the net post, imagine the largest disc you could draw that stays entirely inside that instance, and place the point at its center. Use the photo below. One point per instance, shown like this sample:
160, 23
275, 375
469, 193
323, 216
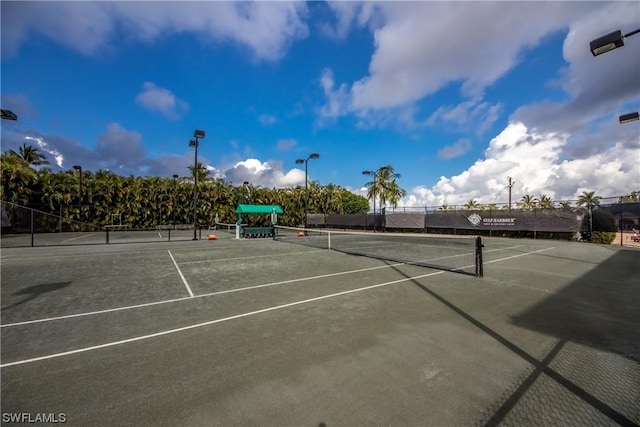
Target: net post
169, 230
329, 240
479, 263
107, 234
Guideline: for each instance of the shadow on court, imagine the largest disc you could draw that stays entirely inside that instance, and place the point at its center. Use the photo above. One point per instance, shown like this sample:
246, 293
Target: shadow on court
597, 310
35, 291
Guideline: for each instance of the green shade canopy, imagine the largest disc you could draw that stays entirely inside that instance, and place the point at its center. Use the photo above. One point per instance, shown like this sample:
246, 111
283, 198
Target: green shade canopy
258, 209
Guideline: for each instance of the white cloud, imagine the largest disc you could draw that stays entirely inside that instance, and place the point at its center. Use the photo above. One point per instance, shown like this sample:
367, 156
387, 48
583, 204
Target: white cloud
286, 144
267, 119
468, 115
44, 146
535, 161
265, 174
161, 100
265, 28
422, 47
458, 148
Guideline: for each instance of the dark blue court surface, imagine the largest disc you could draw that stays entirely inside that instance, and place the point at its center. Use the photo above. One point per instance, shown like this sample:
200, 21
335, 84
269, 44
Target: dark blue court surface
272, 333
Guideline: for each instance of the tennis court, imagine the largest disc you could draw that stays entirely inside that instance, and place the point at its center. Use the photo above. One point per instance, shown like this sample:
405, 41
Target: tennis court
277, 333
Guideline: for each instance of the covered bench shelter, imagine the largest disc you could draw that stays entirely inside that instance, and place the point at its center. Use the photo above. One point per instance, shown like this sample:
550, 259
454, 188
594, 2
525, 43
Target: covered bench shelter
273, 210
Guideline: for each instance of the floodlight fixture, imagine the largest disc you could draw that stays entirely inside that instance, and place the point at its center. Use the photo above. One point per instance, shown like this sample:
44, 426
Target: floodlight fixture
609, 42
193, 143
299, 161
314, 155
631, 117
8, 115
175, 176
198, 133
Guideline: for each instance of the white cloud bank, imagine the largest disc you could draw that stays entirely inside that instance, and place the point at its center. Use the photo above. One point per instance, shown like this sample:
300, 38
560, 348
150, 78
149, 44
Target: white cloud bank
266, 29
535, 161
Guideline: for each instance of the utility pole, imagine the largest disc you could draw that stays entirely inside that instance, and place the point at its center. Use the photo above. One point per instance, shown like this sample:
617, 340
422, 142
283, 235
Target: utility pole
511, 182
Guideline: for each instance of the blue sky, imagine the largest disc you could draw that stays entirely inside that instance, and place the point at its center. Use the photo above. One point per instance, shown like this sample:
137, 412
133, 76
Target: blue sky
455, 96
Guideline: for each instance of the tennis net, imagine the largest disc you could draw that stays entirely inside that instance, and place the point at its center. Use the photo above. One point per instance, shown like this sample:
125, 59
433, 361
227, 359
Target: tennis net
462, 254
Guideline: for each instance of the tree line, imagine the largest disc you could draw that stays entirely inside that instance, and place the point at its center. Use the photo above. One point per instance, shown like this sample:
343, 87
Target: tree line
145, 202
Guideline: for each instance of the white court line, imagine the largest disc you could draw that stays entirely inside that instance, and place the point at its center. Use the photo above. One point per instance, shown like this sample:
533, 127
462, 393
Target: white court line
76, 238
212, 322
519, 255
238, 316
186, 285
159, 235
248, 288
110, 310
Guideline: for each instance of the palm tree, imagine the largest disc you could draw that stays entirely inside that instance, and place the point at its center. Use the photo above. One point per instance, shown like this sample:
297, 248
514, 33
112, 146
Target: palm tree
381, 180
18, 179
545, 202
472, 205
634, 197
445, 208
528, 202
393, 192
203, 172
590, 199
384, 186
30, 155
565, 205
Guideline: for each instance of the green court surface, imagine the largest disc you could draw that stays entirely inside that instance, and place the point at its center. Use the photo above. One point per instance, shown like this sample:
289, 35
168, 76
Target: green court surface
272, 333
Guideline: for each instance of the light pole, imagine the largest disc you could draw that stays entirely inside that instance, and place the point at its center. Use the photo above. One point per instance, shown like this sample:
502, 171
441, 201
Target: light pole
79, 169
306, 175
510, 185
173, 211
194, 143
247, 195
375, 174
609, 42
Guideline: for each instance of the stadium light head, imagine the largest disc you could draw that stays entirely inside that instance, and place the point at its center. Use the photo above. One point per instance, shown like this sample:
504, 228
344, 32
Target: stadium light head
193, 143
198, 133
314, 155
606, 43
300, 161
175, 176
609, 42
631, 117
368, 173
77, 167
8, 115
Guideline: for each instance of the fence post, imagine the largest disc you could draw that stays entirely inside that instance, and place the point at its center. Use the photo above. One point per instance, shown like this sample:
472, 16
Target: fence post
621, 230
32, 228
